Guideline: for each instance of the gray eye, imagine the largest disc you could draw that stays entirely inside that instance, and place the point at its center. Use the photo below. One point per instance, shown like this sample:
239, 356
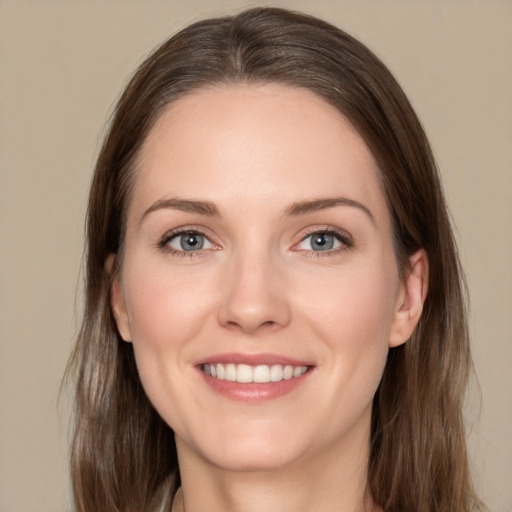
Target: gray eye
190, 241
321, 241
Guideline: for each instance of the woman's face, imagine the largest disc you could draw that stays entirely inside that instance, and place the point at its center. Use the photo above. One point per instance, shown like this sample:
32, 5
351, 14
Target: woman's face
259, 249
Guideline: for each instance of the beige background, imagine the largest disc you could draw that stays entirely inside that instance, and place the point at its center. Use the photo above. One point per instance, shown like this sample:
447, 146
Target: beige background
63, 64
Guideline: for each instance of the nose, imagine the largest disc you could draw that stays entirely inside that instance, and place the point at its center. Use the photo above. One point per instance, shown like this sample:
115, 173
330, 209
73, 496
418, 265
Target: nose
253, 297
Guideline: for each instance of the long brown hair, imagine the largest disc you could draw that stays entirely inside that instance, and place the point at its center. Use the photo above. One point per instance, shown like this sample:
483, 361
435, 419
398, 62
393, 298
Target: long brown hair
123, 453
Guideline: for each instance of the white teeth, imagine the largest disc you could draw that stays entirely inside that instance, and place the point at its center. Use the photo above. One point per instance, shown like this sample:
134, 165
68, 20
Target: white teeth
230, 373
261, 373
276, 373
288, 372
244, 373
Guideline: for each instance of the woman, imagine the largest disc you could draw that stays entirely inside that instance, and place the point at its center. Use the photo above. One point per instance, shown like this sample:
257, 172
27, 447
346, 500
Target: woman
274, 305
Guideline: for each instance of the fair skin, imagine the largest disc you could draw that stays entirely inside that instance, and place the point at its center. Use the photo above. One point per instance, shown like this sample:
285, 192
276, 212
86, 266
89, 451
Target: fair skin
259, 239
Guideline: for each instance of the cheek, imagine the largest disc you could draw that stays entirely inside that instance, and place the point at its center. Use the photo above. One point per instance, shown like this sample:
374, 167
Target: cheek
352, 313
167, 310
353, 304
167, 307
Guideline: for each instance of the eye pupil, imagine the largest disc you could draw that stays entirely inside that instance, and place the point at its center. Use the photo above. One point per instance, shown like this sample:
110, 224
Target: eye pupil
322, 242
191, 241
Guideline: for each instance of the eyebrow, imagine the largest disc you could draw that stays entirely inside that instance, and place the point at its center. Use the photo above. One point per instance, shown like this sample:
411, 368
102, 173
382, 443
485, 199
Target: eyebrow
306, 207
296, 209
184, 205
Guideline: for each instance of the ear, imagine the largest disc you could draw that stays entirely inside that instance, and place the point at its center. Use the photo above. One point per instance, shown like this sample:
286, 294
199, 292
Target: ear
410, 300
117, 302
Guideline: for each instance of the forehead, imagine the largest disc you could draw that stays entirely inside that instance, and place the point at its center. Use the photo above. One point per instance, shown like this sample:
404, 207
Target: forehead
254, 143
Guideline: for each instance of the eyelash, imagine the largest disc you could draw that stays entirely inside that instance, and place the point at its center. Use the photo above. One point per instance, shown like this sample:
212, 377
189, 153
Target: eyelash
341, 236
163, 244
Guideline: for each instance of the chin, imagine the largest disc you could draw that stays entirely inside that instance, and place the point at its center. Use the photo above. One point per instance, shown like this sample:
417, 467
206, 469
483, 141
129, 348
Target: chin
249, 447
256, 458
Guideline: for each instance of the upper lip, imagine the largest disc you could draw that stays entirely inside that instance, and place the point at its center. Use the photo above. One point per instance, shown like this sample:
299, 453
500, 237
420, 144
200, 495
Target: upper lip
253, 359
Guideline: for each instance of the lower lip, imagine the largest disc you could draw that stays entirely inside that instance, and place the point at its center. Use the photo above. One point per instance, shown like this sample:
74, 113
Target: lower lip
254, 392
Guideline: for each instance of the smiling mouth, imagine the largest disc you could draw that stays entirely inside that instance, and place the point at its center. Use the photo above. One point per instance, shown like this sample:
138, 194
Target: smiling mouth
244, 373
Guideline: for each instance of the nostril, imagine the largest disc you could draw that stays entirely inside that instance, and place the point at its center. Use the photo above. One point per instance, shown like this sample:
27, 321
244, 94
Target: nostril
252, 306
252, 327
245, 324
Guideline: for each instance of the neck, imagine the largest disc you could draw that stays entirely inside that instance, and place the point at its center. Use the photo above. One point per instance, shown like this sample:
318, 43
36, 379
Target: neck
331, 481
